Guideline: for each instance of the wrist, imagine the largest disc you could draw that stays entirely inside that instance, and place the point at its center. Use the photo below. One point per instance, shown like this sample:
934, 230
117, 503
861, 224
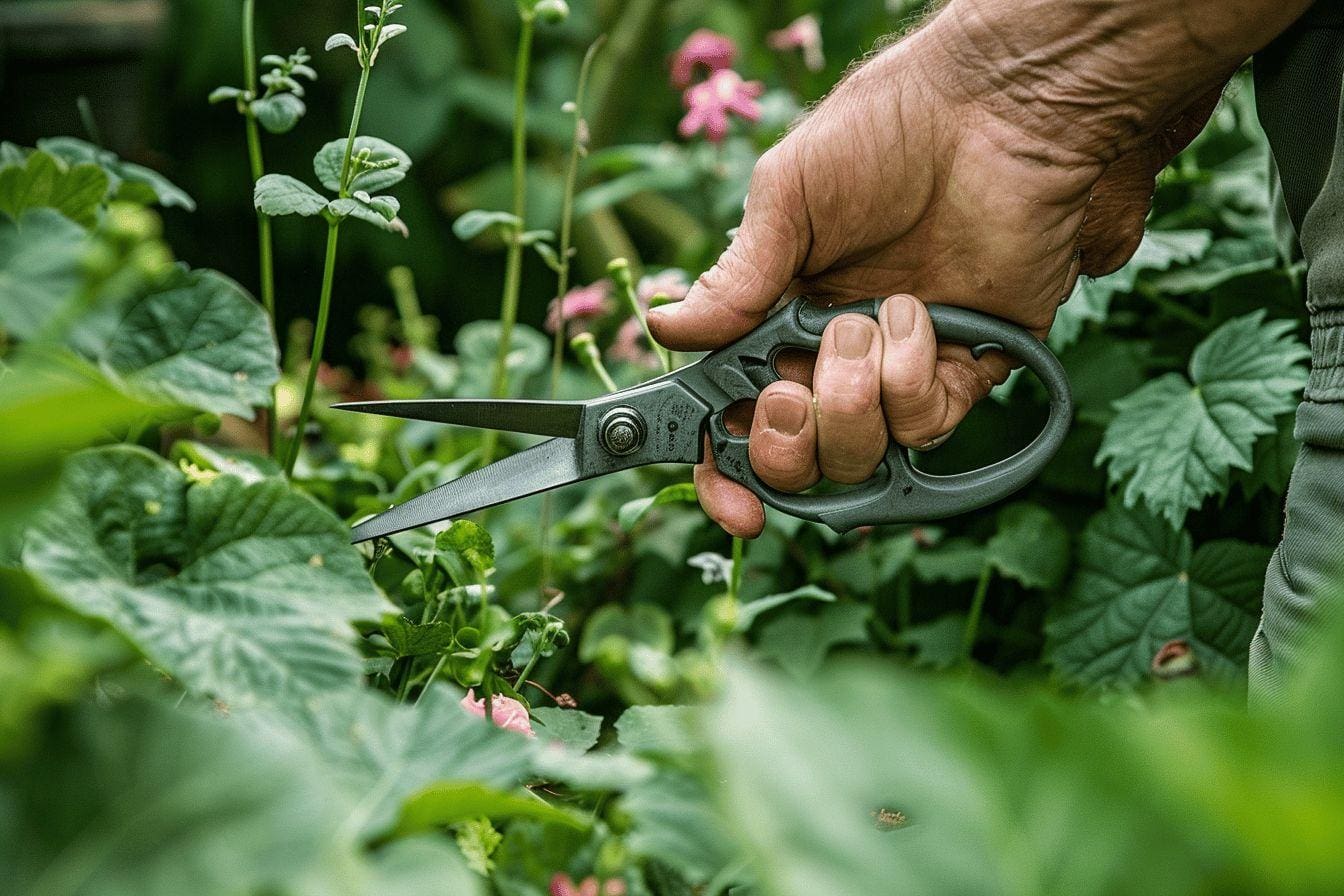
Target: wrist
1093, 78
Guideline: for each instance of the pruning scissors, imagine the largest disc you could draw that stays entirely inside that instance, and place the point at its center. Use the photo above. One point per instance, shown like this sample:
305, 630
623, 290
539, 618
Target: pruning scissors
664, 420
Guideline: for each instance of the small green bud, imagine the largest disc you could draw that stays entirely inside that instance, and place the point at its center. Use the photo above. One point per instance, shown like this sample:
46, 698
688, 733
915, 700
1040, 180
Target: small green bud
552, 12
618, 269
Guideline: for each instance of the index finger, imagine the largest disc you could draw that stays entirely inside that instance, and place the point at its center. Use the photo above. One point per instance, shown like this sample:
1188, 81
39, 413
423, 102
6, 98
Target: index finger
738, 292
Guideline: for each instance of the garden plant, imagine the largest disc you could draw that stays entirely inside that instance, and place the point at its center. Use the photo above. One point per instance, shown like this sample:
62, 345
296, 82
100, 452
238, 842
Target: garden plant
205, 688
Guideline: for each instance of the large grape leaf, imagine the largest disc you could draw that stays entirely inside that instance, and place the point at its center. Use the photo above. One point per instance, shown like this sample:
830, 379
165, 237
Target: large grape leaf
39, 268
1175, 441
197, 340
244, 591
1141, 584
1030, 546
379, 752
43, 180
1091, 298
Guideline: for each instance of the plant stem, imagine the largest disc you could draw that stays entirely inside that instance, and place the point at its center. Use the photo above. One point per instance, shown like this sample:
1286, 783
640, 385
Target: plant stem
438, 667
576, 148
319, 339
977, 607
265, 255
513, 270
735, 577
1175, 309
329, 266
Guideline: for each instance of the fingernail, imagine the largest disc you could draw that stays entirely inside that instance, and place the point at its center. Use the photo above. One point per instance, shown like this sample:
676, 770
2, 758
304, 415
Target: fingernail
853, 339
786, 413
898, 317
667, 310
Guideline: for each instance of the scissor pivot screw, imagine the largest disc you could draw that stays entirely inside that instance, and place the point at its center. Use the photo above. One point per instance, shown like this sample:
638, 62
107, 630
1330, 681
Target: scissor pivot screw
621, 431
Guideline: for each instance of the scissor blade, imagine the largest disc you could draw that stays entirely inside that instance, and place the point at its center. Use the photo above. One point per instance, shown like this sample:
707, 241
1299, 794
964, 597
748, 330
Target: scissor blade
541, 418
549, 465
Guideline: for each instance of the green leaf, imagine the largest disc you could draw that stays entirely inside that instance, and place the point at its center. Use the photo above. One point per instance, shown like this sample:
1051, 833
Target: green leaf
380, 211
280, 194
1272, 460
1141, 584
133, 798
39, 269
1013, 789
50, 406
242, 591
666, 731
477, 343
221, 94
451, 802
675, 821
1174, 443
470, 542
415, 866
472, 224
128, 180
939, 644
632, 512
1091, 299
575, 729
638, 624
328, 162
43, 181
954, 560
752, 610
197, 340
378, 752
800, 643
407, 638
279, 113
1031, 546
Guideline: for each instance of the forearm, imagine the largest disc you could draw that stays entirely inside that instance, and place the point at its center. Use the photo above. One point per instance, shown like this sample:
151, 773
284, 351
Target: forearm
1095, 74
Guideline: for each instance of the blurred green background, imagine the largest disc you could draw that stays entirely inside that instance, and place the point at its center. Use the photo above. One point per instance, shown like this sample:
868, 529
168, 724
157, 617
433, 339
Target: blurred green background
147, 67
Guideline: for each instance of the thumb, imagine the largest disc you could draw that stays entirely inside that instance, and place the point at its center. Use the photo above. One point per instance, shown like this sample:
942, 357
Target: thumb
737, 293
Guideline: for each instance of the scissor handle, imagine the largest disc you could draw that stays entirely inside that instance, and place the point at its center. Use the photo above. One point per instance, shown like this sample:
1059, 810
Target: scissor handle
897, 492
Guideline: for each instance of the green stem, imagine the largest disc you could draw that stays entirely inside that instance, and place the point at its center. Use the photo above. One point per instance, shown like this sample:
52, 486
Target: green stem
438, 667
585, 347
977, 608
319, 339
903, 599
1175, 309
513, 271
576, 148
416, 329
358, 112
735, 577
265, 254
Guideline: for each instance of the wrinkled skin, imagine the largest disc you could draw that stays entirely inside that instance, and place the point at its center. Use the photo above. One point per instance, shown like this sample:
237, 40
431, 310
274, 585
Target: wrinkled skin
935, 172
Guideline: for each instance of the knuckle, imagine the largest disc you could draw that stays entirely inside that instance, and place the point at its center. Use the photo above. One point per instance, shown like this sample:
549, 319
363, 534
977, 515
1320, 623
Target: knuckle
848, 403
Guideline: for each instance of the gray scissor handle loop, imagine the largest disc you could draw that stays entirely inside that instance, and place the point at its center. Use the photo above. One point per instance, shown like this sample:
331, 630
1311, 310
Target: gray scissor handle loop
897, 492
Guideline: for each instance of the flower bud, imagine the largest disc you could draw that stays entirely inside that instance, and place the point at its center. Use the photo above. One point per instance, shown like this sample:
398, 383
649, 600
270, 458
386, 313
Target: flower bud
552, 12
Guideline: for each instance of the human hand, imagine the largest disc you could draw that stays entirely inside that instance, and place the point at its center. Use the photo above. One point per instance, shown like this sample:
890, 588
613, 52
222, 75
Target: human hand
936, 172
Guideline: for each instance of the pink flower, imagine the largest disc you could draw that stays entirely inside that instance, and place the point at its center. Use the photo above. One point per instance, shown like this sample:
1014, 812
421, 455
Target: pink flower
580, 304
563, 885
709, 102
631, 347
507, 712
671, 283
803, 33
704, 47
